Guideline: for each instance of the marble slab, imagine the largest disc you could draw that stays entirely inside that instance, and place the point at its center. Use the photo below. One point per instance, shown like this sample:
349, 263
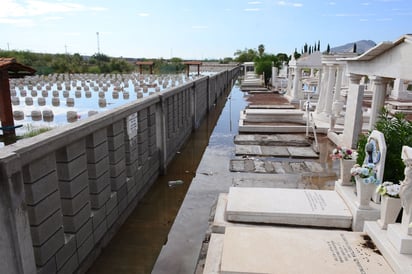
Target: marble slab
288, 250
273, 115
401, 263
272, 139
214, 253
276, 151
281, 128
284, 106
305, 207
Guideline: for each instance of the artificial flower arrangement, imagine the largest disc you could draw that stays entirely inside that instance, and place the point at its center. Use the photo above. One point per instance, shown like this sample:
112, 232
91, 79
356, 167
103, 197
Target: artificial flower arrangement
367, 172
389, 189
341, 153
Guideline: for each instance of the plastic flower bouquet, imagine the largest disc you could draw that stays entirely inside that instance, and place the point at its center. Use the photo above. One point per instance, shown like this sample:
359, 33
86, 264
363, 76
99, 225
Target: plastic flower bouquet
366, 172
341, 153
389, 189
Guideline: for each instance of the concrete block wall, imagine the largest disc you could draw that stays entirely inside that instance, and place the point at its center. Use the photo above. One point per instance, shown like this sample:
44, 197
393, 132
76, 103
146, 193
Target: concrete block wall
66, 192
201, 100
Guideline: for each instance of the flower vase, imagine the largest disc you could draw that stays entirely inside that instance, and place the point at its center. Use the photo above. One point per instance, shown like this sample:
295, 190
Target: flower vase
364, 193
390, 208
345, 175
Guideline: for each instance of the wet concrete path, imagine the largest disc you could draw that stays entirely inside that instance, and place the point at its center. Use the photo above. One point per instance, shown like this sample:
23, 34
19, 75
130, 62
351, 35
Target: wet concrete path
190, 232
137, 244
204, 166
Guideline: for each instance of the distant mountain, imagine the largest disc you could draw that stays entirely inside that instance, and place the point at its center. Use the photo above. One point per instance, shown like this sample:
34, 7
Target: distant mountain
361, 47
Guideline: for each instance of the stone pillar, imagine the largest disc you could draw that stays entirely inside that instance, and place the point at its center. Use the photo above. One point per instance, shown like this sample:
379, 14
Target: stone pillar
398, 89
275, 83
378, 99
296, 85
338, 85
290, 77
353, 116
338, 103
322, 88
329, 90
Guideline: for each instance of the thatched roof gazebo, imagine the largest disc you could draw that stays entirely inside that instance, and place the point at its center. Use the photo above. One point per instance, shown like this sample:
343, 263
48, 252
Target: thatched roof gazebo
9, 68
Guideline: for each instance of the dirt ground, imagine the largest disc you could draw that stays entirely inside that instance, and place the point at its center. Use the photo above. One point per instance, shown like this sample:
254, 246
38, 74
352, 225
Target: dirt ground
267, 99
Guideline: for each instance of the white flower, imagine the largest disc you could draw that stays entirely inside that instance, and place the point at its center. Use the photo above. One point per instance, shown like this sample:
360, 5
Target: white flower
393, 189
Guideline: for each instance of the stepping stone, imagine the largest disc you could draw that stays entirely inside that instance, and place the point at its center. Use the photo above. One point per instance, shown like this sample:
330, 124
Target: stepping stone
302, 152
289, 250
304, 207
271, 140
273, 115
274, 167
244, 127
276, 151
286, 106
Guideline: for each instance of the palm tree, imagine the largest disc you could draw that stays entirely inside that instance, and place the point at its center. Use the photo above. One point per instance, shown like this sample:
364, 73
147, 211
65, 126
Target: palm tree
261, 49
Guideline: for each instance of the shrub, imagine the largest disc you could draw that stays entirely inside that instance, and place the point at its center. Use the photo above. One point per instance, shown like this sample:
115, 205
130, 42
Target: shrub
398, 133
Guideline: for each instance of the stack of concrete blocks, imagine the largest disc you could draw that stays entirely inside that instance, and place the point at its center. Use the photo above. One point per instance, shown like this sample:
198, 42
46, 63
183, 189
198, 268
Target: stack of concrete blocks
132, 166
74, 193
99, 183
44, 212
153, 151
117, 170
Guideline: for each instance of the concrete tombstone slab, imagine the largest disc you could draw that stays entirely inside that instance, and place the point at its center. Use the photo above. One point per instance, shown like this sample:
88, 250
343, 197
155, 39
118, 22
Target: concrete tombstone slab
288, 250
306, 207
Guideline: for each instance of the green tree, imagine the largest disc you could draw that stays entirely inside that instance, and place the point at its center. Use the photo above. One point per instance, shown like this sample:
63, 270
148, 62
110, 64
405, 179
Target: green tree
246, 55
296, 55
261, 50
264, 64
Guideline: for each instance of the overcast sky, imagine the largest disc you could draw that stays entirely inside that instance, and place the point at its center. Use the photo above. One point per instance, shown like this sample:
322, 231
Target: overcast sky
195, 29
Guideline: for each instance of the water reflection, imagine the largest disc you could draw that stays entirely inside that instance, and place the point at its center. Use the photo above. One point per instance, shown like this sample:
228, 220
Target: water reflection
81, 93
134, 249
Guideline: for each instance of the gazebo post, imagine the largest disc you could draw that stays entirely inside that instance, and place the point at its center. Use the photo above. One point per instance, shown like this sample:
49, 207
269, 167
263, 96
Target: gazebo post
9, 68
192, 63
145, 63
6, 111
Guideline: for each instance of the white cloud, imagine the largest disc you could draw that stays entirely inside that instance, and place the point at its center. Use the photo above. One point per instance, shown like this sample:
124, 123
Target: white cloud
53, 18
34, 8
143, 14
287, 3
17, 22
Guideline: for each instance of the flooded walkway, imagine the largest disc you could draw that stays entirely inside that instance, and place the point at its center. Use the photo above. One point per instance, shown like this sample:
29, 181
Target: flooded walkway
191, 230
137, 244
204, 167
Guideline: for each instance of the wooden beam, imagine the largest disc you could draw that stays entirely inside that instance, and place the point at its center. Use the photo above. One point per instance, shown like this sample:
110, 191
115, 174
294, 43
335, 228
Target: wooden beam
6, 111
